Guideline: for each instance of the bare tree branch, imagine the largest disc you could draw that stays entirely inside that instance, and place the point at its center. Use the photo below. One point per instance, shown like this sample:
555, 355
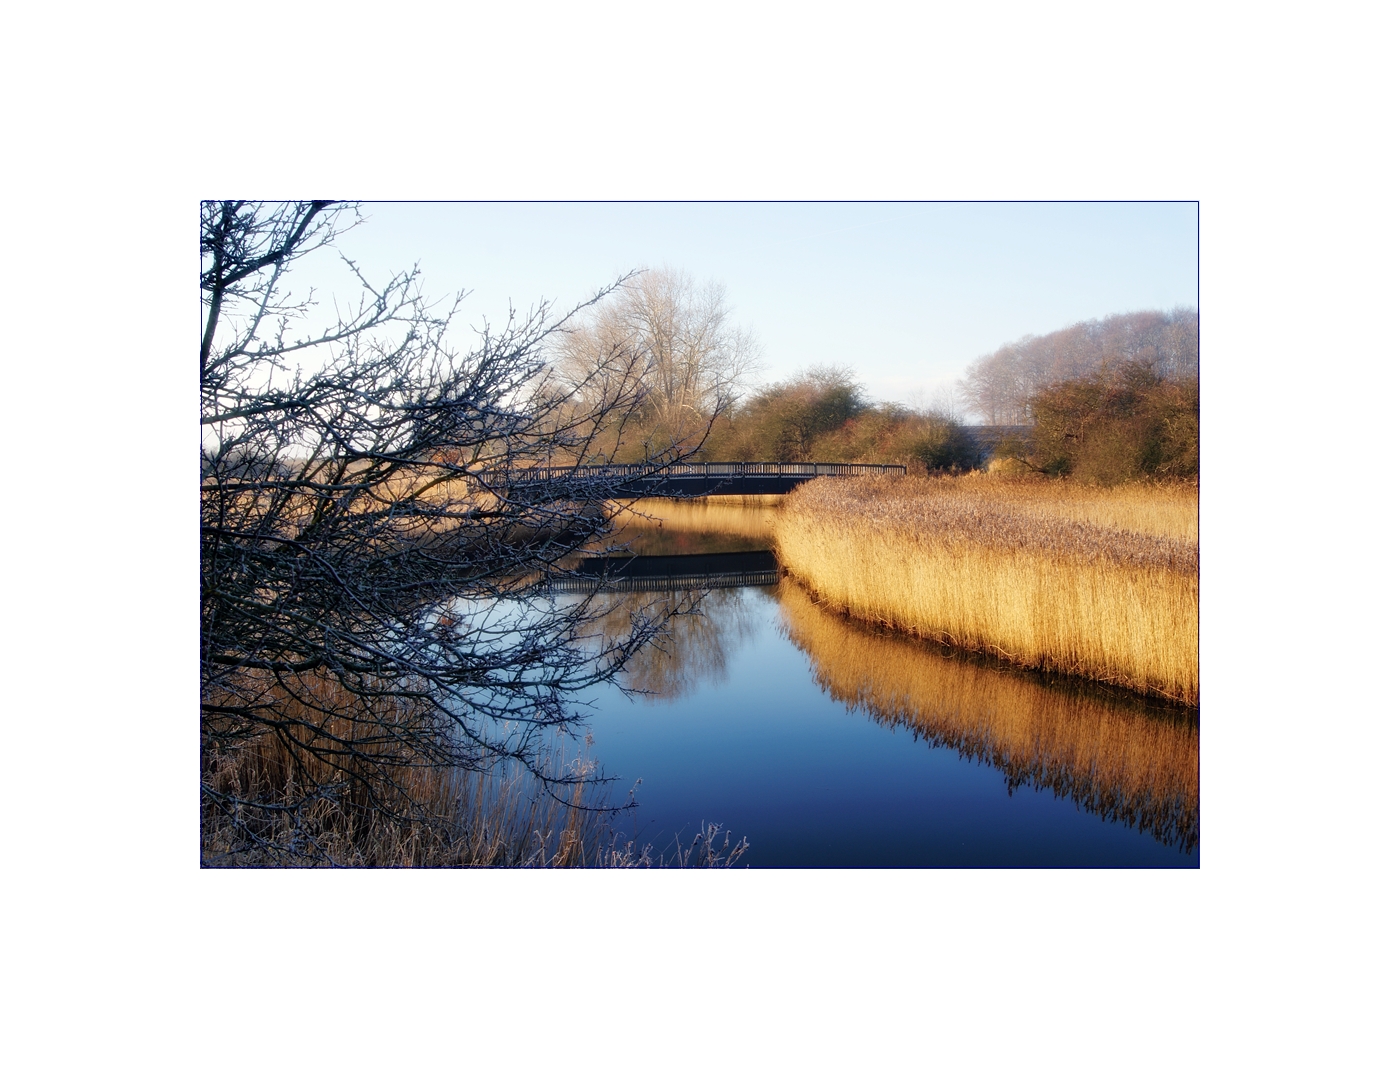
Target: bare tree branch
371, 548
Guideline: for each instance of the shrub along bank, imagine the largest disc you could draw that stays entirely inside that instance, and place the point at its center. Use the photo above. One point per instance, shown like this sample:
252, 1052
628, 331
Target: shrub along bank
1122, 423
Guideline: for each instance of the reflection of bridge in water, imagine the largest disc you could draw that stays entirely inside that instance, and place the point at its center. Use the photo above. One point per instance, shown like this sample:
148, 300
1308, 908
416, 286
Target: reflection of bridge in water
670, 572
689, 480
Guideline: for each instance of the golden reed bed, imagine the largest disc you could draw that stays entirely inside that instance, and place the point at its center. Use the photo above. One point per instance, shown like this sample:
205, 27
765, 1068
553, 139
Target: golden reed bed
1093, 582
747, 517
1116, 758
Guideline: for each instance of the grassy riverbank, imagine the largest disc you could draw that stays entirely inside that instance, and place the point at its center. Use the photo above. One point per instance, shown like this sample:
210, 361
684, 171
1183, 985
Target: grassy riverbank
1101, 583
322, 786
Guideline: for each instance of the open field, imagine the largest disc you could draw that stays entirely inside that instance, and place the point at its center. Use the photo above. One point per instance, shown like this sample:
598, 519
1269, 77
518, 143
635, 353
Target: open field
1101, 583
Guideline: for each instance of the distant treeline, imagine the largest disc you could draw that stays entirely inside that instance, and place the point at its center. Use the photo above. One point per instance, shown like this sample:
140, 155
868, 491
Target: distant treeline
1001, 388
666, 346
1106, 400
822, 414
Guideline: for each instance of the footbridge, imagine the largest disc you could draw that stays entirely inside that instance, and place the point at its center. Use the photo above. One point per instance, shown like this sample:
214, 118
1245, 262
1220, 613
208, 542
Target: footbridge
689, 480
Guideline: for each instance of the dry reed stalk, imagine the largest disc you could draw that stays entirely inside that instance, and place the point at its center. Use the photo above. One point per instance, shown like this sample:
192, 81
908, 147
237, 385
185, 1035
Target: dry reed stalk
745, 517
1114, 758
1166, 509
943, 559
284, 807
311, 805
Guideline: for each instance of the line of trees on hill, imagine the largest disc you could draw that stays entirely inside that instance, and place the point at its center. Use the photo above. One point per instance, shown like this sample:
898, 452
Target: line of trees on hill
820, 414
823, 414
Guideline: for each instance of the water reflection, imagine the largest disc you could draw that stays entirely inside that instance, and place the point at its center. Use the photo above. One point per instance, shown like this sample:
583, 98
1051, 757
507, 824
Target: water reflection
1118, 756
694, 652
687, 571
1113, 754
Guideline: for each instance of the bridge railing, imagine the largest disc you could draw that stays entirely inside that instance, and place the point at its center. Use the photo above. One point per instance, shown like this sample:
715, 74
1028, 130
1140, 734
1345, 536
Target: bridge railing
733, 470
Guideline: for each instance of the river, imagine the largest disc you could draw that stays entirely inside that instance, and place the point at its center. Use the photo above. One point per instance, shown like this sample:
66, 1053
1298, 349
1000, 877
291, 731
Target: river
827, 743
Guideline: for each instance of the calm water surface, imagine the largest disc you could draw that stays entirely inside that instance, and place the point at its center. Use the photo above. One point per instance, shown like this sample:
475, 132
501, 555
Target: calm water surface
829, 744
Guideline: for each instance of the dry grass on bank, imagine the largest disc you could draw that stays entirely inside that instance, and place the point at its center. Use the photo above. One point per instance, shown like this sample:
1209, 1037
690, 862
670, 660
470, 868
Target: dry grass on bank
1165, 509
1114, 758
303, 787
271, 803
743, 517
1041, 574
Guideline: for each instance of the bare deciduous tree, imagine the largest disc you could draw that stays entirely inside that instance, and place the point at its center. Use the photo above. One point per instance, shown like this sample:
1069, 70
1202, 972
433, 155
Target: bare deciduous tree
371, 533
696, 363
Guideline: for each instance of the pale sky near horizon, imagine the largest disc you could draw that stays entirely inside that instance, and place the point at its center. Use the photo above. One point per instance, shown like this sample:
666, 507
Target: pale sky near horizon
907, 294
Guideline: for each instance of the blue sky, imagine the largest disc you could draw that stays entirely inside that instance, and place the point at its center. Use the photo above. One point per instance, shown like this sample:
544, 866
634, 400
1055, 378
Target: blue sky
906, 294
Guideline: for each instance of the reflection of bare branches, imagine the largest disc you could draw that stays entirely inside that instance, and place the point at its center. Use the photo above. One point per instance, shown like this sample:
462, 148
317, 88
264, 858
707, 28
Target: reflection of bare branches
1121, 759
318, 802
702, 629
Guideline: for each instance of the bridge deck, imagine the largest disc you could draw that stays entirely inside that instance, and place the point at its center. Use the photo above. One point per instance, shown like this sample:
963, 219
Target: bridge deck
695, 480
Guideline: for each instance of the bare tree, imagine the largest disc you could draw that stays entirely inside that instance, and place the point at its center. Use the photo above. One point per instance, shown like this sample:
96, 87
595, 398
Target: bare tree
696, 363
373, 529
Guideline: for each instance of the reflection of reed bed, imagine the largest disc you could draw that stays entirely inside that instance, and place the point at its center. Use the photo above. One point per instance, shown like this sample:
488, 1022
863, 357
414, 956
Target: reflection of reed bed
1117, 757
1011, 569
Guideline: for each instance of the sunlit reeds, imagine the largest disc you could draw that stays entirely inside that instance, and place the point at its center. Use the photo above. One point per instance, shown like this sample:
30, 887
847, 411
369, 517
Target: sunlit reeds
702, 525
1022, 570
1115, 756
1163, 509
